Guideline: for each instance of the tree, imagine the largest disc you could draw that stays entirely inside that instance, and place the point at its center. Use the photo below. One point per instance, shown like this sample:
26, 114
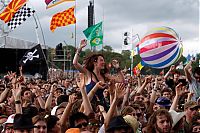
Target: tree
108, 48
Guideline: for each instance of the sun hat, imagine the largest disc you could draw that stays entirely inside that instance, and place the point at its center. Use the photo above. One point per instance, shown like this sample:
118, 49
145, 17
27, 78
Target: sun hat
176, 116
131, 121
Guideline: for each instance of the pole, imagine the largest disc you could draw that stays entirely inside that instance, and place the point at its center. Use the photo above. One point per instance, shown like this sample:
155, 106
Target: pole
64, 60
131, 53
36, 32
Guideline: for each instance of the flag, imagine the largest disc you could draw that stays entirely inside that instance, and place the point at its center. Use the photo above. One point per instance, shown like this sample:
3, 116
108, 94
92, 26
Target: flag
35, 54
139, 66
20, 16
94, 34
11, 9
135, 51
52, 3
63, 19
135, 38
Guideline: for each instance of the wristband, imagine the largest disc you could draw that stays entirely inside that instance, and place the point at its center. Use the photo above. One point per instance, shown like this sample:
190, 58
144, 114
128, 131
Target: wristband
17, 102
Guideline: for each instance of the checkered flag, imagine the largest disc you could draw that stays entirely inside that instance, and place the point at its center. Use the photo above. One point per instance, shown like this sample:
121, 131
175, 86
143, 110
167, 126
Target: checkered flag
20, 16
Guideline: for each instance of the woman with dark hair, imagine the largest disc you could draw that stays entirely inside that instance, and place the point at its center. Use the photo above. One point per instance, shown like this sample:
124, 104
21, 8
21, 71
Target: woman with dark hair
94, 69
159, 122
40, 125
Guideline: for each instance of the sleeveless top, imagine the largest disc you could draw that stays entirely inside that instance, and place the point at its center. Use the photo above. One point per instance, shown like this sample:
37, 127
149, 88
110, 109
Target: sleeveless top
89, 87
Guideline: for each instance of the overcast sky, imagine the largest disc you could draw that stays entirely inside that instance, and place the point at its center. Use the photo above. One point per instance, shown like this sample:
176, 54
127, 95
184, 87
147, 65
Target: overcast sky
118, 16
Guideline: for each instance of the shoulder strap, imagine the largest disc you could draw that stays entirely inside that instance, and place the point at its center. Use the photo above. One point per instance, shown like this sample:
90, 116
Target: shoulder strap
95, 76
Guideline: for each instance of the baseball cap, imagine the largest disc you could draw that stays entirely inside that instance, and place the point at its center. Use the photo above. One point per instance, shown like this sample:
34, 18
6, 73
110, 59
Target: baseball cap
10, 119
163, 101
191, 104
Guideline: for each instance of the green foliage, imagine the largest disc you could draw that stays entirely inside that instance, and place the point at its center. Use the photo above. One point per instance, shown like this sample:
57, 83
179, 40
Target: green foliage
124, 58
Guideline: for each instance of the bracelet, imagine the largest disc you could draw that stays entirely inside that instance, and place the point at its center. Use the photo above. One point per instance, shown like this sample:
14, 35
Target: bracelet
17, 102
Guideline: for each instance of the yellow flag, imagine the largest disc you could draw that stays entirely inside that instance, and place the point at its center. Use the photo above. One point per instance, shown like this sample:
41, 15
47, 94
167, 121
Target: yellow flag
140, 66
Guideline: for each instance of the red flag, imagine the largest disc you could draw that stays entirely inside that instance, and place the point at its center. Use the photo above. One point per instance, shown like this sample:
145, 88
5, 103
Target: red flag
63, 19
11, 9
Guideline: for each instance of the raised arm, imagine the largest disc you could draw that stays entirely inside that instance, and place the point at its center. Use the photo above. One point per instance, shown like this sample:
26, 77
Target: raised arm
76, 64
187, 73
67, 111
146, 81
119, 94
4, 94
39, 97
86, 102
16, 91
179, 92
170, 70
50, 98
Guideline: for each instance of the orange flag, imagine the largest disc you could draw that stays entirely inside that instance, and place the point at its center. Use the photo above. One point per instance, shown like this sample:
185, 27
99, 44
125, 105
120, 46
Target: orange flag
63, 19
11, 9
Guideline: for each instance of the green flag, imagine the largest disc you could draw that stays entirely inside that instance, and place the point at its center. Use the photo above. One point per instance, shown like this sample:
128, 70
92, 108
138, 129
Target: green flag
94, 34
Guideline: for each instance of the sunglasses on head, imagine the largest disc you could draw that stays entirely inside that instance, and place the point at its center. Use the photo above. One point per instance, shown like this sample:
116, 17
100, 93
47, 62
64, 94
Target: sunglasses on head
81, 125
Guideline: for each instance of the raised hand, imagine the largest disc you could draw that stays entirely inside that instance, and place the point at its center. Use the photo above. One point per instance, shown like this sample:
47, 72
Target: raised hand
179, 89
17, 91
172, 68
83, 43
120, 90
148, 79
72, 99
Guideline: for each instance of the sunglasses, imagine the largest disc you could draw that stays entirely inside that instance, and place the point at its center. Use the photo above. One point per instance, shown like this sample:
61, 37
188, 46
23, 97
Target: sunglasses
93, 124
194, 109
81, 125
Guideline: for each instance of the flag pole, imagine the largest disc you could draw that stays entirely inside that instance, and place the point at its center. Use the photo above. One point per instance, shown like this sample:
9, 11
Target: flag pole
74, 37
131, 52
103, 31
38, 41
36, 31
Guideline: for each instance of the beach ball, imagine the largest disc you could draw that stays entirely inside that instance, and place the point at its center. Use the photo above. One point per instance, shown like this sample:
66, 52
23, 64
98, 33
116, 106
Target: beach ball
160, 47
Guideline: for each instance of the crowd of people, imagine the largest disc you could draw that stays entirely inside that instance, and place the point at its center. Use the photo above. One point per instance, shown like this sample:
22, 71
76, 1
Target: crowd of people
102, 100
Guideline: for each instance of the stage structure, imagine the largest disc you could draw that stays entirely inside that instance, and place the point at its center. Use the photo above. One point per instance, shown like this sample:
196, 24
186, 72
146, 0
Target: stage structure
11, 52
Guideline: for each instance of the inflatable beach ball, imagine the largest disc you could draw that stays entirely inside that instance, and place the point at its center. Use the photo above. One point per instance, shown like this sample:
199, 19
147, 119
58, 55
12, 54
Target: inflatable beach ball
160, 47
